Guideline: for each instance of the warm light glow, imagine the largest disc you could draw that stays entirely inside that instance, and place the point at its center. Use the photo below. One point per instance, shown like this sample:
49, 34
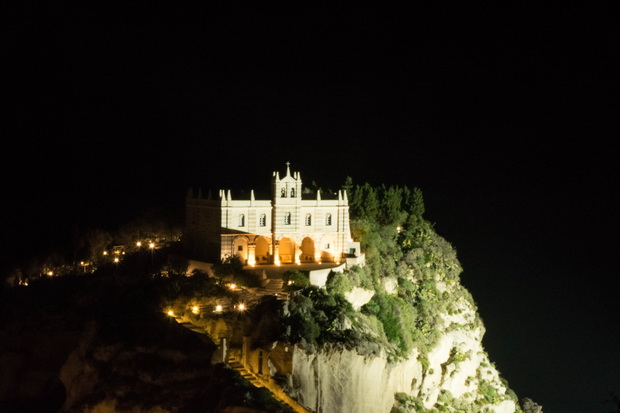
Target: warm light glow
81, 262
232, 286
151, 245
195, 309
170, 313
50, 273
116, 260
241, 307
138, 244
105, 253
218, 308
290, 282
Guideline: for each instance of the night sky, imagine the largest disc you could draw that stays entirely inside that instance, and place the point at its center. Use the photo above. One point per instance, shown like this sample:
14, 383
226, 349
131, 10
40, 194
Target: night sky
502, 116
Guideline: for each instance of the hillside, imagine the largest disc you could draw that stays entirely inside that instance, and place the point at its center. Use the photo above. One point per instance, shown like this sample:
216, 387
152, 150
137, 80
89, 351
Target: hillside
399, 334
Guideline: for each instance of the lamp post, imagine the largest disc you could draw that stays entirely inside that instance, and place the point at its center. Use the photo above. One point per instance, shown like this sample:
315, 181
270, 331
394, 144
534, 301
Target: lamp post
151, 247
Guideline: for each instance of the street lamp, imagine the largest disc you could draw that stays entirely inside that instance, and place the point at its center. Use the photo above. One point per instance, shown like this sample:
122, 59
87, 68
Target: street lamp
151, 247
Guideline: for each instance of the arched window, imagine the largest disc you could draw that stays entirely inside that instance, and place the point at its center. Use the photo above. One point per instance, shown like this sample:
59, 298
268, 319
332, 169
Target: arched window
308, 219
283, 192
328, 219
262, 220
292, 192
241, 220
287, 218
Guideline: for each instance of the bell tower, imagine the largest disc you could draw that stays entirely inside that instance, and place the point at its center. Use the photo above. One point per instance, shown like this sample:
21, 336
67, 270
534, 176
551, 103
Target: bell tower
286, 191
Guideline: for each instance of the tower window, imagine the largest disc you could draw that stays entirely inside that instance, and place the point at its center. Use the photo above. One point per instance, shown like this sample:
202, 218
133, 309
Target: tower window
262, 220
292, 192
328, 219
287, 218
241, 220
283, 193
308, 219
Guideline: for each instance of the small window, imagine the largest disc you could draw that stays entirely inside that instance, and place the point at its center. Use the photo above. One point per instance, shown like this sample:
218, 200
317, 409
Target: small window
283, 193
241, 220
262, 220
240, 248
326, 246
292, 192
308, 219
328, 219
287, 218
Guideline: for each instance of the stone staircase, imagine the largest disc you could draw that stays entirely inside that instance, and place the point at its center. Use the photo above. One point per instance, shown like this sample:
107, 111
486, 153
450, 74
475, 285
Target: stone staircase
236, 364
274, 287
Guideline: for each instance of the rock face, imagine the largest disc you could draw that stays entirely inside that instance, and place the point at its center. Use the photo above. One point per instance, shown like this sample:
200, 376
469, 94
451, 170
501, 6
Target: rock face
455, 373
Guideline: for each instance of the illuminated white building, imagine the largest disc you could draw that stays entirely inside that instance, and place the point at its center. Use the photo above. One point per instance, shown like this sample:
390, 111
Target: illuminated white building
288, 228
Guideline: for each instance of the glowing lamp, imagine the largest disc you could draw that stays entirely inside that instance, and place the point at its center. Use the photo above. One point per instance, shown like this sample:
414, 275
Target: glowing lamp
151, 245
138, 244
218, 308
170, 313
195, 309
241, 307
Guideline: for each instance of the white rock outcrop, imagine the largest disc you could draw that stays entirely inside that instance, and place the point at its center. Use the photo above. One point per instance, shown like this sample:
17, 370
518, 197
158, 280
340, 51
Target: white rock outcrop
338, 380
358, 297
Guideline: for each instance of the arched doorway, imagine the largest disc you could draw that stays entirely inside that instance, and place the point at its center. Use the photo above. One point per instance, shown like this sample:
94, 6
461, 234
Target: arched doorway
240, 249
307, 250
287, 250
262, 250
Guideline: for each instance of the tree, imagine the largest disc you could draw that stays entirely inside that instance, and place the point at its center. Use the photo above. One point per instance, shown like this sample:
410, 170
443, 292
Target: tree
348, 187
228, 267
529, 406
97, 241
176, 265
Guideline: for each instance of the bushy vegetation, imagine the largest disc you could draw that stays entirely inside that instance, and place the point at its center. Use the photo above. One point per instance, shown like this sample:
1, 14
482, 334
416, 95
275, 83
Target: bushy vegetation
401, 245
295, 280
231, 269
316, 317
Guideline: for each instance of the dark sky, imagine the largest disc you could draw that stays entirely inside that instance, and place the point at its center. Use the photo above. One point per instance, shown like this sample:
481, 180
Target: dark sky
502, 116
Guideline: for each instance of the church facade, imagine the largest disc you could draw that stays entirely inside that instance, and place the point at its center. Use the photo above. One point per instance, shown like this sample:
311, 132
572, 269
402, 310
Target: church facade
288, 228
